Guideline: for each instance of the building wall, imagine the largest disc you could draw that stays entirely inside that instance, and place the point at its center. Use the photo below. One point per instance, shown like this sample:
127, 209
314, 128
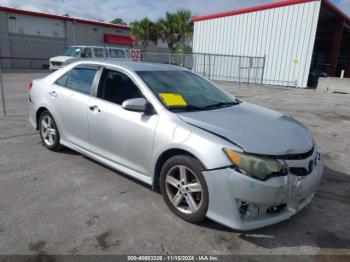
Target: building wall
92, 35
39, 37
285, 35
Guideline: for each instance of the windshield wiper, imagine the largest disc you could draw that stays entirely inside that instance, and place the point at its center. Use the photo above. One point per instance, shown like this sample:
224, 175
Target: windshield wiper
187, 108
221, 104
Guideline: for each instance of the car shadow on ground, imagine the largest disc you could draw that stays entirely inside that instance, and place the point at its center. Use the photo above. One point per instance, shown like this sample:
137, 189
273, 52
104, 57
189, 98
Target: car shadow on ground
325, 223
68, 151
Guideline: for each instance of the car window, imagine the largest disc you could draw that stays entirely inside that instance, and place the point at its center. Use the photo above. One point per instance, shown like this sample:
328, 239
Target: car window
86, 53
99, 52
116, 53
62, 80
191, 89
73, 51
116, 87
80, 79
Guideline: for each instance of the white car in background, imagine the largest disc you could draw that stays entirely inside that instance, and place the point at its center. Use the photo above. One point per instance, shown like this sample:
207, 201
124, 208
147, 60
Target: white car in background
75, 53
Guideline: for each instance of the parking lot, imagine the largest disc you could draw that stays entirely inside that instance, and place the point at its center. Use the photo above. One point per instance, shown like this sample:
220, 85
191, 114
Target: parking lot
65, 203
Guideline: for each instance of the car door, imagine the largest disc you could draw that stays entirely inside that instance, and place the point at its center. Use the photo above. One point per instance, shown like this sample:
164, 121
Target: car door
70, 98
121, 136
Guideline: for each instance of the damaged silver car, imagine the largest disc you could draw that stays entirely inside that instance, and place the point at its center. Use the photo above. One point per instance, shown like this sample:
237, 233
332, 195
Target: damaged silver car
210, 154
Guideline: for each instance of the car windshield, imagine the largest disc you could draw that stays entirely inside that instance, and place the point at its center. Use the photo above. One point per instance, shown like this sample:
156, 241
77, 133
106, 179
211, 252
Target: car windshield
185, 91
73, 51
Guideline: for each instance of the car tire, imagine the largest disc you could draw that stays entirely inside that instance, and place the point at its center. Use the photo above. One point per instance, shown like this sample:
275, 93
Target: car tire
48, 130
188, 197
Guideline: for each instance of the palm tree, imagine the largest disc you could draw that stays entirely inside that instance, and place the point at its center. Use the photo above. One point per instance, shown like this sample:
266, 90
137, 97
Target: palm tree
184, 26
144, 31
167, 30
176, 29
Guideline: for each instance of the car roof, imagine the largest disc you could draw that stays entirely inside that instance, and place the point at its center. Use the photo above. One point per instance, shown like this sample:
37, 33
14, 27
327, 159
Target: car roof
133, 66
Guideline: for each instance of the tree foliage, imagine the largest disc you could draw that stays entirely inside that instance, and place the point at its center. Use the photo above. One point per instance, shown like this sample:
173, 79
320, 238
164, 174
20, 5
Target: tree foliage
144, 31
118, 21
174, 28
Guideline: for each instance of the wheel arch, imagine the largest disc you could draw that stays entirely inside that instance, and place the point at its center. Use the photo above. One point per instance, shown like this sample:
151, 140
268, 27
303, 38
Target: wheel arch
163, 158
38, 114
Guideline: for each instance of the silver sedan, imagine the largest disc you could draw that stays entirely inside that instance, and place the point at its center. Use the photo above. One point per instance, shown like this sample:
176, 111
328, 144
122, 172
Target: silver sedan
210, 154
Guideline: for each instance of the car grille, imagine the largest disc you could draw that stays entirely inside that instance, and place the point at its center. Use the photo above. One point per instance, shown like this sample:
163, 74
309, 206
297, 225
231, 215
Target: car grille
302, 164
297, 156
299, 171
56, 63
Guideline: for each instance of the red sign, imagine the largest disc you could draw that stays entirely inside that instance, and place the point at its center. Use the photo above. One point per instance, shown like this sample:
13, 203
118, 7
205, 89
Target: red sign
135, 54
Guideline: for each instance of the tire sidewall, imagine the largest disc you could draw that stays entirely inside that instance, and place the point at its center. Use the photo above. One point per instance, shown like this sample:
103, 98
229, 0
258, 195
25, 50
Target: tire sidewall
197, 168
56, 145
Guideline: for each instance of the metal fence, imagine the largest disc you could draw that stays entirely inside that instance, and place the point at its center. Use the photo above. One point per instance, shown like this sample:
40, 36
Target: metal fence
14, 90
240, 69
2, 93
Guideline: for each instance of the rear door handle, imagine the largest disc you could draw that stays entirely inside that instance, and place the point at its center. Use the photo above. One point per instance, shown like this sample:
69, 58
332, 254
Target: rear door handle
53, 93
94, 107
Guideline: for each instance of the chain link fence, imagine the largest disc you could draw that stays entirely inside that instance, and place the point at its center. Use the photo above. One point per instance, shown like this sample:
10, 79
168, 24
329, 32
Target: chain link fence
14, 90
239, 69
2, 93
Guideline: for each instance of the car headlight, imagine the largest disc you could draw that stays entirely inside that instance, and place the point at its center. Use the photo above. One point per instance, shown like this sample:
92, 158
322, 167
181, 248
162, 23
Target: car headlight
256, 167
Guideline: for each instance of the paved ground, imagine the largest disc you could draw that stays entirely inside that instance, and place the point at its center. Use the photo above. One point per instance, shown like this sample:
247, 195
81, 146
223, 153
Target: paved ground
65, 203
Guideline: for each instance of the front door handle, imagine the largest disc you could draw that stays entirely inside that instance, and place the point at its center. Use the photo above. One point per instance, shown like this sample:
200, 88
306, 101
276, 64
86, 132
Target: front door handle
94, 107
53, 93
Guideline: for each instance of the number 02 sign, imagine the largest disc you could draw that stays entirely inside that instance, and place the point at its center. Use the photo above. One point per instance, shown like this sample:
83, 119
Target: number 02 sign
135, 54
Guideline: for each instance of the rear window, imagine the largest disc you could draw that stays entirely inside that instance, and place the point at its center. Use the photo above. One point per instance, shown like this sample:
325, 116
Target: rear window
80, 80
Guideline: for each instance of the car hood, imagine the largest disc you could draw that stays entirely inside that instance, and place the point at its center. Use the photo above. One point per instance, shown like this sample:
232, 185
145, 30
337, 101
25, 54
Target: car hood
61, 58
255, 129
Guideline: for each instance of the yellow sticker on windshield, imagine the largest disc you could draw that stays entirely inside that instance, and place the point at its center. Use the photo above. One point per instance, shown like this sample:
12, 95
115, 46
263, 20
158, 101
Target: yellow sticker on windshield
172, 99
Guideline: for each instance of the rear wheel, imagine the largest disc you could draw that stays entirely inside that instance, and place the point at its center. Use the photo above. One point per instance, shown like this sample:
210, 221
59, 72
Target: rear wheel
184, 188
48, 132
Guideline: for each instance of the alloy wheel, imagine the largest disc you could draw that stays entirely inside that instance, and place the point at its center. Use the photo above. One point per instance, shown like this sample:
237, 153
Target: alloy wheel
48, 130
183, 189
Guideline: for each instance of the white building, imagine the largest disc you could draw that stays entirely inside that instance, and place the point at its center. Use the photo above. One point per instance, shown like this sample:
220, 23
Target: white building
296, 36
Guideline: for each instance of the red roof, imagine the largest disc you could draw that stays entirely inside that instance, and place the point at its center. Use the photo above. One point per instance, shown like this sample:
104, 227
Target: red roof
269, 6
65, 18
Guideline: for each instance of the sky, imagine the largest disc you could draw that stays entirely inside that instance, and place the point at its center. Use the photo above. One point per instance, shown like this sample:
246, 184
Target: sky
132, 10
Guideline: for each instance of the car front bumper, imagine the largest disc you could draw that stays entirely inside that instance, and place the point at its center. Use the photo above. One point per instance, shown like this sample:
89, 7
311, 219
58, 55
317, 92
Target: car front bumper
54, 67
244, 203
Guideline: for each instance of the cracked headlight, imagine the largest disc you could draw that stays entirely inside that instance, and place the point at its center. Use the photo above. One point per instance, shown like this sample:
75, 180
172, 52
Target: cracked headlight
257, 167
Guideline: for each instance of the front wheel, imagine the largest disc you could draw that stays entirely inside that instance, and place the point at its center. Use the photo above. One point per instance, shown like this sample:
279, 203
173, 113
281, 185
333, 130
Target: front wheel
48, 132
184, 188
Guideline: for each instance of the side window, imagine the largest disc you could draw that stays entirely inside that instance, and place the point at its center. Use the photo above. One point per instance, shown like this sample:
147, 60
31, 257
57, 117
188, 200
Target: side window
116, 87
86, 53
80, 79
99, 52
127, 53
116, 53
62, 80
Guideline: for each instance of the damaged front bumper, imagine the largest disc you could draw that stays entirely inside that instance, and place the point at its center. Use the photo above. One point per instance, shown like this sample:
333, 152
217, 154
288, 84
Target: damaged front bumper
243, 203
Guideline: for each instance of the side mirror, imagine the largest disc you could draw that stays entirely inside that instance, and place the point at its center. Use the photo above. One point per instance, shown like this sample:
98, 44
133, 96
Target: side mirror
137, 105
